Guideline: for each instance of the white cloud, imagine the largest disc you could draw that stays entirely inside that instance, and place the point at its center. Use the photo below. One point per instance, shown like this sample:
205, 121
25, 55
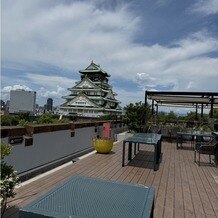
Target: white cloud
5, 91
48, 87
51, 87
128, 97
161, 3
148, 82
57, 93
176, 66
50, 81
41, 94
71, 35
206, 7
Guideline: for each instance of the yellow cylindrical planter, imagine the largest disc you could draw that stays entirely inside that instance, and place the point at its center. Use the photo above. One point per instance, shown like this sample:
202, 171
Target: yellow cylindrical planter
103, 146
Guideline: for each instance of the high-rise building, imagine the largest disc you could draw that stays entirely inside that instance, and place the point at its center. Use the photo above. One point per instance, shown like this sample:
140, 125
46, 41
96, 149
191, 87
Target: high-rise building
2, 104
92, 96
22, 101
49, 104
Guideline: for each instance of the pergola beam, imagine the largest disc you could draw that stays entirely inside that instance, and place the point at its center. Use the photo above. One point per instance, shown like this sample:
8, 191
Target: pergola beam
202, 100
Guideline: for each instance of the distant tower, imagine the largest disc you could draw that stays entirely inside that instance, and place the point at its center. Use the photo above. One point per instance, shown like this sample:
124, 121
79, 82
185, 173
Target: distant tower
49, 104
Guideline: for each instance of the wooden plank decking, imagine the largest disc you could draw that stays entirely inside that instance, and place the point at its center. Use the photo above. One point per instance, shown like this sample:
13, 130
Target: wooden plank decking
183, 189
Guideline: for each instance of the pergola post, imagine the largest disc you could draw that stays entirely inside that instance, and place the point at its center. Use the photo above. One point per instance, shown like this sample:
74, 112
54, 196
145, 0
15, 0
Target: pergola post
146, 103
152, 107
157, 109
146, 98
211, 107
196, 112
202, 110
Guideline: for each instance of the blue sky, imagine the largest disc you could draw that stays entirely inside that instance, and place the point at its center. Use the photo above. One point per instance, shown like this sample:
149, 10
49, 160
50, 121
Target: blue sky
144, 45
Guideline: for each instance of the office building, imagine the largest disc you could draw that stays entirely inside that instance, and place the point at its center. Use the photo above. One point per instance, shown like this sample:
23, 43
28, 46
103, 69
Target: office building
49, 104
22, 101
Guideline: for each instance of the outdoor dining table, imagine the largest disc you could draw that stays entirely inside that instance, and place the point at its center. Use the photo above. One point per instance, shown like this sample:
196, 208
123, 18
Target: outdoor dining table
193, 134
144, 139
81, 197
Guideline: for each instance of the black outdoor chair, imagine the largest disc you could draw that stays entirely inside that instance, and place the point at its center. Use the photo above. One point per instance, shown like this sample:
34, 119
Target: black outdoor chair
208, 148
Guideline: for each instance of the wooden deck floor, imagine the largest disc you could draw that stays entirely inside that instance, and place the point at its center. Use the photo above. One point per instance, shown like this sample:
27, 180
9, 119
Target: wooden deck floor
183, 189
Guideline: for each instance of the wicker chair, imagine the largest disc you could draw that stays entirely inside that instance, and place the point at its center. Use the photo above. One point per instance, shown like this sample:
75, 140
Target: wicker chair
208, 148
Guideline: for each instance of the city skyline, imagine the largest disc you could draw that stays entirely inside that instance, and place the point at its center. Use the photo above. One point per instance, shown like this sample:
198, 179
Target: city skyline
148, 45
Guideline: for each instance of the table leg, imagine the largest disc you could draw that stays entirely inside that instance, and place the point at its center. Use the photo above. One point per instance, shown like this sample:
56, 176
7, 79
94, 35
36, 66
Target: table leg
130, 151
158, 151
155, 157
181, 142
134, 148
123, 157
152, 210
177, 141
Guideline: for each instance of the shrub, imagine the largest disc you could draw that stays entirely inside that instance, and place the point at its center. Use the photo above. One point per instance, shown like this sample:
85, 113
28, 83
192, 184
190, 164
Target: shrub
23, 122
49, 118
9, 178
108, 117
7, 120
45, 118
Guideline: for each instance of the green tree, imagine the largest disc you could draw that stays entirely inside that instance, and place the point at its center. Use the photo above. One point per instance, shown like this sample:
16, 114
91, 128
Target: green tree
23, 122
7, 120
45, 118
49, 118
171, 116
24, 116
9, 178
162, 116
136, 116
215, 113
191, 116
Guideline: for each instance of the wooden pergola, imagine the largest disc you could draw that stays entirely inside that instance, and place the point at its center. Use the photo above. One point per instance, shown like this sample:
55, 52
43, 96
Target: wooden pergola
197, 100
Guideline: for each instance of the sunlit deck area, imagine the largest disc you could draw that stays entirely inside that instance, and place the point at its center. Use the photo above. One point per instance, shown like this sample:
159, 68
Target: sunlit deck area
182, 188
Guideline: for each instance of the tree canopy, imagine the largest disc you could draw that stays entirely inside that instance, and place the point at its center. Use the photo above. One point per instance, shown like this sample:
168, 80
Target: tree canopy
136, 116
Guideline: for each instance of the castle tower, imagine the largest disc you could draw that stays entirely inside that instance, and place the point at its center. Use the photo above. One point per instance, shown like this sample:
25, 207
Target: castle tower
92, 96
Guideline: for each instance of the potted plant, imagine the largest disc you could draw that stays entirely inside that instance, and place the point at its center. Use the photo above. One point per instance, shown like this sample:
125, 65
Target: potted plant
103, 145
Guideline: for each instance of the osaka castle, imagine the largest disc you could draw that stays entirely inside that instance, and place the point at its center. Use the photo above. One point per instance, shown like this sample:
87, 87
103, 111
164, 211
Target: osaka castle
92, 96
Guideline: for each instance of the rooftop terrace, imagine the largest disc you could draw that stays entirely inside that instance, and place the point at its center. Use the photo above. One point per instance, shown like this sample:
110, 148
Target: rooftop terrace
183, 189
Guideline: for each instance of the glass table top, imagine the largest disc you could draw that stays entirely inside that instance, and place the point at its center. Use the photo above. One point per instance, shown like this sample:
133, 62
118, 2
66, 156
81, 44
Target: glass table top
147, 138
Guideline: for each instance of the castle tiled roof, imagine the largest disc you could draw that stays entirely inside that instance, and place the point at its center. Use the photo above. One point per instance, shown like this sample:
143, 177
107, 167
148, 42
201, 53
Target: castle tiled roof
94, 68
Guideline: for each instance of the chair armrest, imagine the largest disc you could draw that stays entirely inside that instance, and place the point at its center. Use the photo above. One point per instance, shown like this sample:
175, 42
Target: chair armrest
211, 143
212, 140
